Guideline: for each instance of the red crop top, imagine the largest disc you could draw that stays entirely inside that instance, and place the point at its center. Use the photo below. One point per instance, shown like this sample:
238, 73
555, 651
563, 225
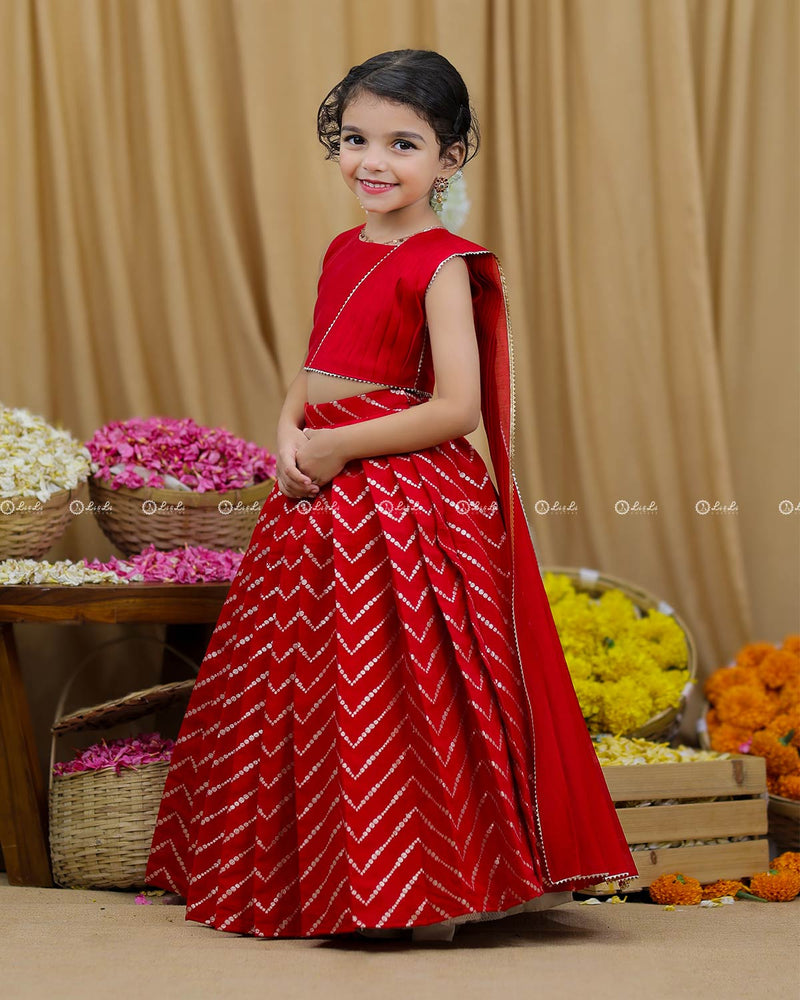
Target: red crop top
369, 320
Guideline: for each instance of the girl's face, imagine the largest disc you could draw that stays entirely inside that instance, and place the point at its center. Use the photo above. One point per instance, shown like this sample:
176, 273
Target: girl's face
389, 158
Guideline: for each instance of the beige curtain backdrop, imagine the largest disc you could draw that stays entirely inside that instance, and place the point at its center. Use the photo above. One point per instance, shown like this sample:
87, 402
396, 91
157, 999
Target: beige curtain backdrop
165, 205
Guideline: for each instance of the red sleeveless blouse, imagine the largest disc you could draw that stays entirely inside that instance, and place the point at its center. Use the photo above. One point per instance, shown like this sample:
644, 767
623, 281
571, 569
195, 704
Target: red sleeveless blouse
369, 325
369, 320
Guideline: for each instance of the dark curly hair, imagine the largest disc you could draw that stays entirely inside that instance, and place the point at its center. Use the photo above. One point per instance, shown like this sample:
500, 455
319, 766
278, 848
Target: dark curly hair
422, 80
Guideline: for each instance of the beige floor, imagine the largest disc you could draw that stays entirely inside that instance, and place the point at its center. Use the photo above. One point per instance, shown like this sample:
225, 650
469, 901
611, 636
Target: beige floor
66, 944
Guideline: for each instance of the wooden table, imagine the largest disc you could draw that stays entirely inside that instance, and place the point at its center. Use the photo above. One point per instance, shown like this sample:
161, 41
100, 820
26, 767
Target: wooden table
23, 796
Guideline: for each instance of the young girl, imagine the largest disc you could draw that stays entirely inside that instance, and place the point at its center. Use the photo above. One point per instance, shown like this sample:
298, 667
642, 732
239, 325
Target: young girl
384, 733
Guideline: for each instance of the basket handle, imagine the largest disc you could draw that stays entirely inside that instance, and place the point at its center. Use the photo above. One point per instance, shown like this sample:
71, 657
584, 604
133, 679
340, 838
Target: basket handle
91, 655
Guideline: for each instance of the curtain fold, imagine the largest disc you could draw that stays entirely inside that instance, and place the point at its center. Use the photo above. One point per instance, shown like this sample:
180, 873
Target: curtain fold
166, 205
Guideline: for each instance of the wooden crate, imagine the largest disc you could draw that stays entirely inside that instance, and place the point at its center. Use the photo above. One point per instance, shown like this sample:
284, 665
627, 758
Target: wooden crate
746, 815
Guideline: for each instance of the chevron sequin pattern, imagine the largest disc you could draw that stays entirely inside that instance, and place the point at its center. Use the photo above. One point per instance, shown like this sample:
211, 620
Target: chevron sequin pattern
354, 751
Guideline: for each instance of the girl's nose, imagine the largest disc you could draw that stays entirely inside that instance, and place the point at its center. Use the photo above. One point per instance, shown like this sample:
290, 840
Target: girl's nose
374, 160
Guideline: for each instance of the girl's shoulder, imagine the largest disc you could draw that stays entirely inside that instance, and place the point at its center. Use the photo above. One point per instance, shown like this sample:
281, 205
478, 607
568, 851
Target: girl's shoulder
443, 241
340, 241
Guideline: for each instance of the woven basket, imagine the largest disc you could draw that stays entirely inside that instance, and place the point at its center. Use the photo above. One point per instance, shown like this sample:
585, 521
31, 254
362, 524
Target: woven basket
169, 519
784, 823
784, 814
666, 724
101, 823
28, 534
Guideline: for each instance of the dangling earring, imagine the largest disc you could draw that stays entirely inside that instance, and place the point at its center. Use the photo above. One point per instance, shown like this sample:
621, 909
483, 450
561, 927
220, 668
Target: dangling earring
439, 194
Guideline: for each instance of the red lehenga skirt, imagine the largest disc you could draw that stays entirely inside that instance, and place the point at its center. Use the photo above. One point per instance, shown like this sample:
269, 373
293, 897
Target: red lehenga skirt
355, 750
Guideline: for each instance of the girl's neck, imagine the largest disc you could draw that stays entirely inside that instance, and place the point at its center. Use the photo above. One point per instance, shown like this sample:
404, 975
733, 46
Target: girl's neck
380, 229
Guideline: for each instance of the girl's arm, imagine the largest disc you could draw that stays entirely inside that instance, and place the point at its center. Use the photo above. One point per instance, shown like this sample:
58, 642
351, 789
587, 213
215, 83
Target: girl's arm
454, 412
291, 481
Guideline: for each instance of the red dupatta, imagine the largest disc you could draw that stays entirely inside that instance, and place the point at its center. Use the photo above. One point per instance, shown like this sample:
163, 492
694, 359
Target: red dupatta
579, 834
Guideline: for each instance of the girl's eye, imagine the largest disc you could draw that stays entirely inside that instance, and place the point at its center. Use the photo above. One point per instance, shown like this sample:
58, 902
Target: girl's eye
354, 140
404, 144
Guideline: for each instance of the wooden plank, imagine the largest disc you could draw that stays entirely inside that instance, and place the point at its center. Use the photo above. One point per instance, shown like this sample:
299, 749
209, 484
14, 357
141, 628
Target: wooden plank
23, 801
161, 603
694, 821
739, 775
707, 864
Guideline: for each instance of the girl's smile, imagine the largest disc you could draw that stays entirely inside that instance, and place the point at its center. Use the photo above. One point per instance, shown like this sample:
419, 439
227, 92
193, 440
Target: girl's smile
375, 187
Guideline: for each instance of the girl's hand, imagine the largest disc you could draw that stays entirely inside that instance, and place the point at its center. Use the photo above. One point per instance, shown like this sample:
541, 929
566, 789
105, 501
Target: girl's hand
320, 458
291, 481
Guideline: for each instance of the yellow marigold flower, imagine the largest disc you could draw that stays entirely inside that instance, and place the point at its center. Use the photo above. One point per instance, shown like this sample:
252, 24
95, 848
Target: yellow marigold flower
792, 644
776, 886
725, 678
626, 706
722, 887
748, 707
580, 666
665, 639
778, 668
789, 859
753, 653
676, 888
557, 586
590, 697
642, 659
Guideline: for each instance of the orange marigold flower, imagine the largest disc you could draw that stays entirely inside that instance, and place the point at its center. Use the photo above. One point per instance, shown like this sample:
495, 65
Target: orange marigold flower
792, 643
789, 696
781, 759
777, 886
789, 859
778, 668
727, 677
722, 887
786, 726
773, 784
676, 888
712, 719
753, 653
729, 739
748, 707
787, 786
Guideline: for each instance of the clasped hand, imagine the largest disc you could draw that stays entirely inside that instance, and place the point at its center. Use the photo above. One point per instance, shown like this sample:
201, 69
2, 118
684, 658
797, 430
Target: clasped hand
308, 460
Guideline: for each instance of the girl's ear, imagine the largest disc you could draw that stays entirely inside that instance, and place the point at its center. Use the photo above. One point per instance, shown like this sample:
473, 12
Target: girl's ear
452, 158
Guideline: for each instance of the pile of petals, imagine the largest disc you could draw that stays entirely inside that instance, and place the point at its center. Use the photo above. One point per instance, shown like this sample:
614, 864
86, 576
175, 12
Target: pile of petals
129, 752
37, 460
780, 884
191, 564
39, 571
165, 453
626, 665
755, 709
622, 750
